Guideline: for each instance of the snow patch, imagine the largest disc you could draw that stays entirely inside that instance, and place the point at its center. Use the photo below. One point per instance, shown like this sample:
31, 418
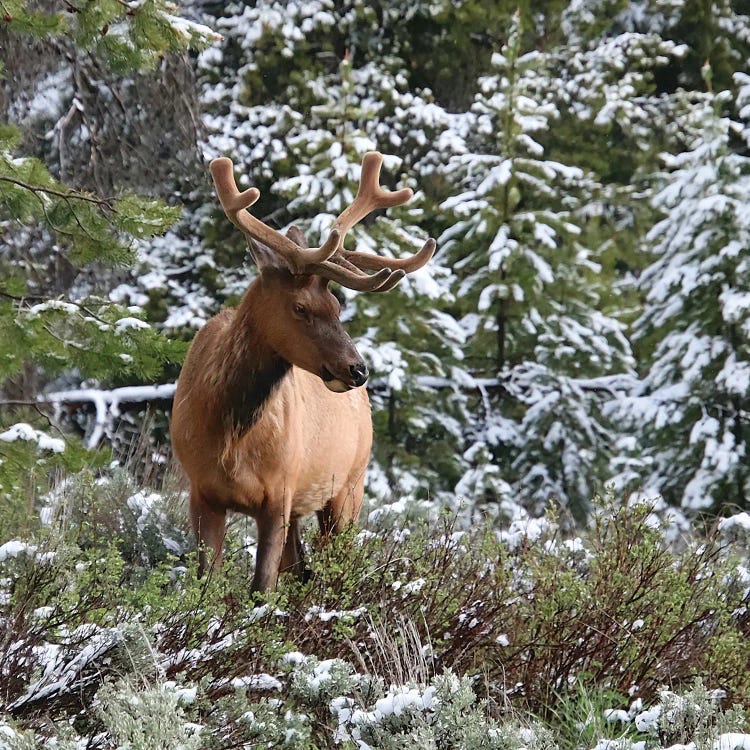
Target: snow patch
27, 433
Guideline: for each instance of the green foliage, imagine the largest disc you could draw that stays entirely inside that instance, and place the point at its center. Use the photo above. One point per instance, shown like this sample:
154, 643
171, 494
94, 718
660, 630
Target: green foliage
30, 462
139, 718
238, 720
93, 227
129, 36
103, 339
41, 330
577, 622
689, 411
444, 714
580, 716
21, 17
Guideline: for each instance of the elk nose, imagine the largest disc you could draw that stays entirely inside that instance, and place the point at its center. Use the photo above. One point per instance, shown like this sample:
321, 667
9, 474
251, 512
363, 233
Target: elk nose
359, 373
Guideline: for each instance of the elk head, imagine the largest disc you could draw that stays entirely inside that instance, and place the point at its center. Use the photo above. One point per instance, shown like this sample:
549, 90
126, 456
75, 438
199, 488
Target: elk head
303, 316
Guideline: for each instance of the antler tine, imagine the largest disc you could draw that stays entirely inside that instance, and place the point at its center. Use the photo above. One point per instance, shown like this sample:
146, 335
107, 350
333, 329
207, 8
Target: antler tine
370, 196
234, 204
232, 200
376, 262
360, 282
392, 281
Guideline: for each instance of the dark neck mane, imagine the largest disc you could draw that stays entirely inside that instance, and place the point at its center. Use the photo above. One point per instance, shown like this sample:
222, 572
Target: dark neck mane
250, 372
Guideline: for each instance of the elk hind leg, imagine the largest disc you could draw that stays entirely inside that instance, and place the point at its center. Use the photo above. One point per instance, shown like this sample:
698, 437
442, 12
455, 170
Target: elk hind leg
209, 523
293, 557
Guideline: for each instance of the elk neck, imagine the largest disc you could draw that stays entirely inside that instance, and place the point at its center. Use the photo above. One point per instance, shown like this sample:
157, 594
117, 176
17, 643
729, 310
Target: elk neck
251, 370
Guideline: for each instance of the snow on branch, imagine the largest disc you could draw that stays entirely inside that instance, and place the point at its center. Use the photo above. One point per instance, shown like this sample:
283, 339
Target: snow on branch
69, 673
107, 403
27, 433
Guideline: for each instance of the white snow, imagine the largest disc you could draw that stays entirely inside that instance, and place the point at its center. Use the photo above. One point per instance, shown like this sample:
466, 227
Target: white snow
737, 521
648, 720
25, 432
326, 615
130, 323
61, 673
261, 681
294, 657
732, 741
14, 548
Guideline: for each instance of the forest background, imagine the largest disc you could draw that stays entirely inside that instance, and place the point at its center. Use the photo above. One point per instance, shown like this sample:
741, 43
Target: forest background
579, 341
583, 166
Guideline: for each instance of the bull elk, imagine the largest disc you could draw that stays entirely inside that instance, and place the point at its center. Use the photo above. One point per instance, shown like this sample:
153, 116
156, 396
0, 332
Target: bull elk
270, 417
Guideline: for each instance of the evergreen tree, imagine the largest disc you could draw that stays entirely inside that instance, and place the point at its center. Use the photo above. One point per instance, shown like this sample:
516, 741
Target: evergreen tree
529, 289
691, 413
74, 332
716, 33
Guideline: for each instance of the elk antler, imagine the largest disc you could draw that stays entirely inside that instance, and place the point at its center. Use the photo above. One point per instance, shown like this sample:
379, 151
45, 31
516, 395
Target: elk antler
234, 204
329, 260
370, 197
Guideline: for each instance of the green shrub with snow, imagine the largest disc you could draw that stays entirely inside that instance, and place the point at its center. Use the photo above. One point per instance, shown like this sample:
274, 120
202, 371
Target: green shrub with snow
30, 460
696, 718
148, 526
523, 615
238, 720
147, 717
444, 714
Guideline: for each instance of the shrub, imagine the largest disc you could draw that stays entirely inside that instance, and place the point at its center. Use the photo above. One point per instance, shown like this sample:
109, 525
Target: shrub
148, 717
545, 623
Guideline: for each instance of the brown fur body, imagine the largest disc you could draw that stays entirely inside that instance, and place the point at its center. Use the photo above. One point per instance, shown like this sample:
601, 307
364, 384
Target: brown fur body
270, 417
262, 437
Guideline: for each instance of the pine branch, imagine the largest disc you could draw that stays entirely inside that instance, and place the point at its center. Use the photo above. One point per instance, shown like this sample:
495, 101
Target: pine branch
41, 298
37, 190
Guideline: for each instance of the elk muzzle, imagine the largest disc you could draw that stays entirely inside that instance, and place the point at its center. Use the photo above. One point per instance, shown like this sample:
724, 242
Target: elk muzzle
355, 377
359, 374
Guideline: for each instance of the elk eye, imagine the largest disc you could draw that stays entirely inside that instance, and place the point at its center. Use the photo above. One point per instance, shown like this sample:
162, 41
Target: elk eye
300, 311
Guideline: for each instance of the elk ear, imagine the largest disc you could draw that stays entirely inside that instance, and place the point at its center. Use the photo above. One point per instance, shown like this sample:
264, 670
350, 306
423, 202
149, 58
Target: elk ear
263, 256
296, 236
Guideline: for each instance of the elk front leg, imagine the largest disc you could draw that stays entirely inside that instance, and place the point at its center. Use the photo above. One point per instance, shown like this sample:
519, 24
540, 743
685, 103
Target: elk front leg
273, 525
209, 525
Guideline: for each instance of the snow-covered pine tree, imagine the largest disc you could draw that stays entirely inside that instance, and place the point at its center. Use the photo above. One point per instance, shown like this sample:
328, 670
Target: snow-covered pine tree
691, 415
529, 291
714, 33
